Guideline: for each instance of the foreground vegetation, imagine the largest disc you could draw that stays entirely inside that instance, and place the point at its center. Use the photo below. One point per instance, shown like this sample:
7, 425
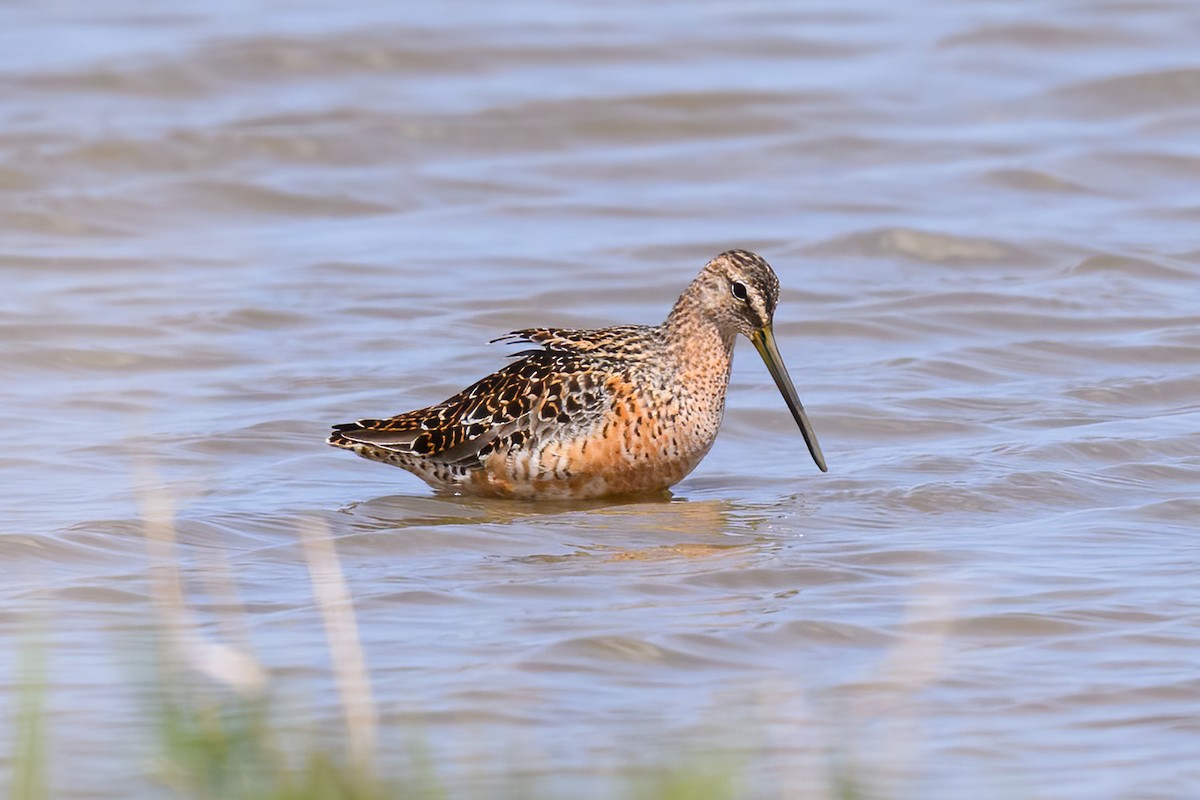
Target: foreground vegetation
215, 732
232, 750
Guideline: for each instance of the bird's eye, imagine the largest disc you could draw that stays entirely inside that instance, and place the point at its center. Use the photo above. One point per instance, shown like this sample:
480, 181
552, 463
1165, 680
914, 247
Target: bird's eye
739, 290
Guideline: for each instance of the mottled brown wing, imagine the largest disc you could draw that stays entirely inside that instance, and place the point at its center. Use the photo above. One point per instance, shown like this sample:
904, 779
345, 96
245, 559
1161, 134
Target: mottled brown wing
545, 388
623, 342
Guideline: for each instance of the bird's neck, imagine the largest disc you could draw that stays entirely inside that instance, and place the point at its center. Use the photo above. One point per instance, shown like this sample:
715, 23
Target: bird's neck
701, 350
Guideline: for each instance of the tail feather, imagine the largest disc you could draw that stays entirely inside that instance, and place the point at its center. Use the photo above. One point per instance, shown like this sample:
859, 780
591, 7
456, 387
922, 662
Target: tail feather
391, 434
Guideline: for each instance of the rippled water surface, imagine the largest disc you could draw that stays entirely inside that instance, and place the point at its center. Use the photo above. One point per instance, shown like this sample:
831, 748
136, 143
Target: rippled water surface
226, 226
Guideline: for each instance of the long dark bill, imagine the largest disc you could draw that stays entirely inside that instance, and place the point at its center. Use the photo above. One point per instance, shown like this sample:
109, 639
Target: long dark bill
764, 342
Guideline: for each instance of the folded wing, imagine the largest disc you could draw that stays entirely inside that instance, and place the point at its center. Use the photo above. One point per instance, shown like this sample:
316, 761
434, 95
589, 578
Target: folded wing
516, 405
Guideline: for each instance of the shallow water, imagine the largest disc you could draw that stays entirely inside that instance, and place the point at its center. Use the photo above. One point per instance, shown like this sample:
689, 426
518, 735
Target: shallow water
228, 226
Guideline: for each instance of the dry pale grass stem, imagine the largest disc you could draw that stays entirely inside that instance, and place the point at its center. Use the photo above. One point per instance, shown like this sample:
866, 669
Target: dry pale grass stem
184, 645
345, 647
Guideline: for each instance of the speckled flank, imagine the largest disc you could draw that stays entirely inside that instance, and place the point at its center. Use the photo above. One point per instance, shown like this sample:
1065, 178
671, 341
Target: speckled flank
589, 412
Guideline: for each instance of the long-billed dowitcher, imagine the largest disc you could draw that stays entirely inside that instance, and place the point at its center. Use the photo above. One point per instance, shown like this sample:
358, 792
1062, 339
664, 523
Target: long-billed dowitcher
610, 411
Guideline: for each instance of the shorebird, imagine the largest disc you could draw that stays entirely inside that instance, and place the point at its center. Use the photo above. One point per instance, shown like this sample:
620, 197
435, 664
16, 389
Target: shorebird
593, 413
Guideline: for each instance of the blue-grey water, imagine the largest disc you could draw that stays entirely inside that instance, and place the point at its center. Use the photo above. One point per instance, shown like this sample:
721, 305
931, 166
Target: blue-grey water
227, 225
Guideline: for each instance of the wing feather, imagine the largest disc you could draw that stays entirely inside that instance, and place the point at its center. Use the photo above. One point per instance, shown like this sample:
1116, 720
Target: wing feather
525, 397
